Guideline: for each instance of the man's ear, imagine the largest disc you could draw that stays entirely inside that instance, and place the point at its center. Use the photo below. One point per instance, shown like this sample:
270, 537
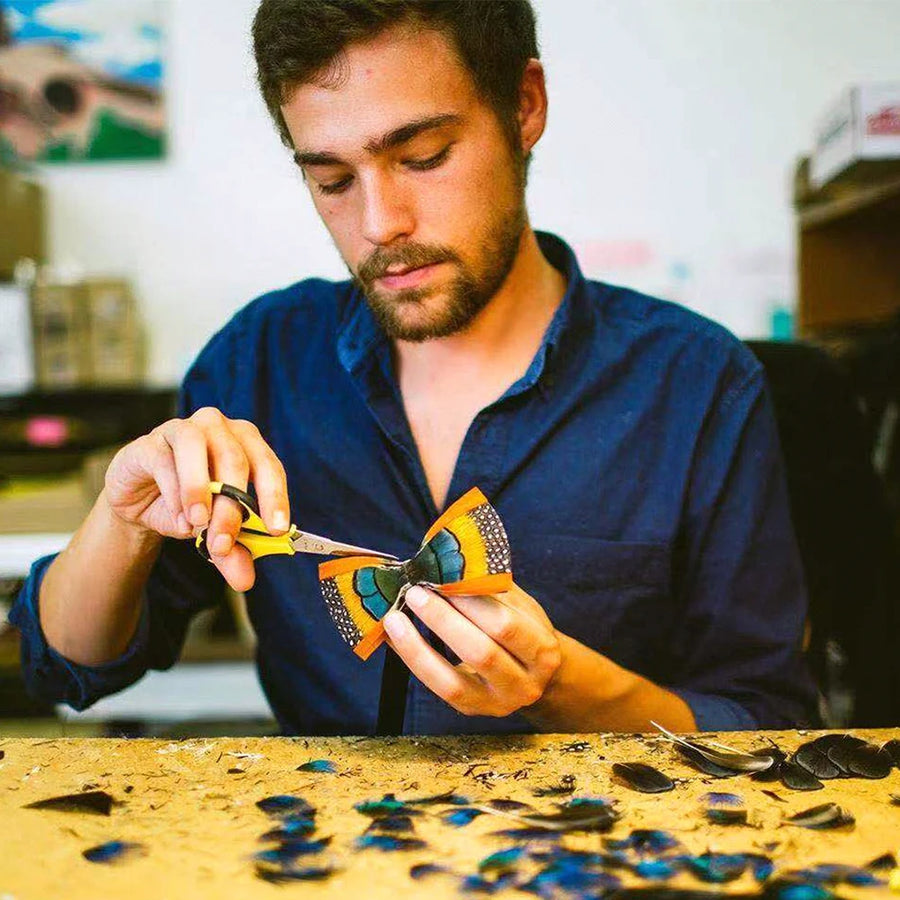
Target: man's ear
532, 105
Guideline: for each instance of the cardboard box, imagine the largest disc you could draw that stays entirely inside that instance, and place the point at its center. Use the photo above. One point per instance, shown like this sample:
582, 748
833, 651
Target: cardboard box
861, 128
59, 324
87, 335
21, 222
115, 339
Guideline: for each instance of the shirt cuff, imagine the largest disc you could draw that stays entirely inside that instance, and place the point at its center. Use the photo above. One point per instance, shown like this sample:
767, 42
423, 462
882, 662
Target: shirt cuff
715, 713
52, 678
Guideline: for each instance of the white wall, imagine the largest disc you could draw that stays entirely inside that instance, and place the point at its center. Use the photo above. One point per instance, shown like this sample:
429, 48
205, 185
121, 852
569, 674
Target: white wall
674, 126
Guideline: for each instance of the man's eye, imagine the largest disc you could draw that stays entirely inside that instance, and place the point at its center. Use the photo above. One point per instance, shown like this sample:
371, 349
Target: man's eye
335, 187
420, 165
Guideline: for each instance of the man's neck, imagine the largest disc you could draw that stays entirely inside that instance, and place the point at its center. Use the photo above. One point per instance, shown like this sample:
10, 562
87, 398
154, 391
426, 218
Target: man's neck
506, 334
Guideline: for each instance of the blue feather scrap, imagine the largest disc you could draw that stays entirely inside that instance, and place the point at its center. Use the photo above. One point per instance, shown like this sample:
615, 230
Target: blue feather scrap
529, 834
290, 828
460, 817
657, 869
388, 805
644, 840
113, 852
786, 890
394, 824
291, 850
285, 804
425, 870
761, 866
716, 868
318, 765
718, 798
570, 878
478, 884
502, 860
724, 809
389, 843
836, 873
277, 875
584, 858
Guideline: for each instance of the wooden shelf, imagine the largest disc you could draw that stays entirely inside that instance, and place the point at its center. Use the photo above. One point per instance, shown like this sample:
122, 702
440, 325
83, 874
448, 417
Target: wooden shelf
867, 201
848, 244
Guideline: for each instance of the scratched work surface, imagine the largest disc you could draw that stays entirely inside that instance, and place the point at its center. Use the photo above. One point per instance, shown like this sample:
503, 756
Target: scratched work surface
192, 805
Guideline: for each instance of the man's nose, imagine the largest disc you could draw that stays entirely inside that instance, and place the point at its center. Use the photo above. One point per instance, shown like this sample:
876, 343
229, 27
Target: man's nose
387, 211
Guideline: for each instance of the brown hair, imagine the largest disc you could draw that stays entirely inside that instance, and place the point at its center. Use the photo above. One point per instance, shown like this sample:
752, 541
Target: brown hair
298, 41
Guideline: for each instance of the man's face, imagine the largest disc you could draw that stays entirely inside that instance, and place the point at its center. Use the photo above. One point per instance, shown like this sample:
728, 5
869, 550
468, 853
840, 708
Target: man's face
415, 180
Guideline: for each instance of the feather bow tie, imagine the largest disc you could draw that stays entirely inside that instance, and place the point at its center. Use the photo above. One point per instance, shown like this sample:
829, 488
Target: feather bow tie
466, 551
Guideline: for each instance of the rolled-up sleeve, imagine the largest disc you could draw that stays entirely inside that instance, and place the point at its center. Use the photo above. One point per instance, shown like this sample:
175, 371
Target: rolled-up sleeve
52, 678
741, 595
180, 585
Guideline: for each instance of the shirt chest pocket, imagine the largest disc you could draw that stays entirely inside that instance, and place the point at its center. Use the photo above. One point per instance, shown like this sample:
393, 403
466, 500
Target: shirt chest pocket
613, 596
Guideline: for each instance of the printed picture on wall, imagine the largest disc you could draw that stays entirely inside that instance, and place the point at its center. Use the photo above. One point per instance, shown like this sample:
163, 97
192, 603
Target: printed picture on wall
81, 80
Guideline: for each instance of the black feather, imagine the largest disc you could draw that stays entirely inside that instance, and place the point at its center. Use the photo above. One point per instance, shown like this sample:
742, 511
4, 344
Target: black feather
798, 779
285, 804
98, 803
643, 778
870, 762
815, 762
884, 863
112, 851
529, 834
708, 767
773, 773
826, 815
286, 874
423, 870
389, 842
839, 752
892, 748
510, 805
395, 824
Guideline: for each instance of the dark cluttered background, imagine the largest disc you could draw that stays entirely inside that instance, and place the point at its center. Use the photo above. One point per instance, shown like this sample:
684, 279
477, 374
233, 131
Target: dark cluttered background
742, 159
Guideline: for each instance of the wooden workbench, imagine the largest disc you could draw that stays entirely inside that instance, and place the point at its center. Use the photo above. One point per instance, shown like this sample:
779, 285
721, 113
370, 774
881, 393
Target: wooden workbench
200, 824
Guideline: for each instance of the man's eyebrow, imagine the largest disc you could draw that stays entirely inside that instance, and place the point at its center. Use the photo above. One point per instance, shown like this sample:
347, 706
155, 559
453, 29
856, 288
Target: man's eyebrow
379, 145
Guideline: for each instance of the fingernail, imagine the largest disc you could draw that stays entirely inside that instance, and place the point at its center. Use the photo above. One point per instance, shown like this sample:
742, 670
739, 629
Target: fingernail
280, 520
221, 545
395, 624
183, 524
416, 598
198, 514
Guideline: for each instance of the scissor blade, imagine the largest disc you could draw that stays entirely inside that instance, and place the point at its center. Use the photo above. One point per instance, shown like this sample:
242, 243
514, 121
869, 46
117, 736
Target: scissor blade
305, 542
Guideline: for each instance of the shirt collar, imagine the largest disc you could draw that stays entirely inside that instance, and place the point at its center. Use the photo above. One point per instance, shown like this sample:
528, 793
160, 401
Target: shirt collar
359, 335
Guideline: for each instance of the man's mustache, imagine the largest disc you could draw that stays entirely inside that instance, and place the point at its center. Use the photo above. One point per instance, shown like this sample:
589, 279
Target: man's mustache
409, 256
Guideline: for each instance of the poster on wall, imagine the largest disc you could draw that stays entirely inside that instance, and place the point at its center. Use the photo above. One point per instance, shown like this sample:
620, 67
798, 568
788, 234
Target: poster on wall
81, 80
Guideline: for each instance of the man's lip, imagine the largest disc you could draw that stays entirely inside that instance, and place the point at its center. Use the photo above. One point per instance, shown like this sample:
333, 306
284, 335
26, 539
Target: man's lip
407, 277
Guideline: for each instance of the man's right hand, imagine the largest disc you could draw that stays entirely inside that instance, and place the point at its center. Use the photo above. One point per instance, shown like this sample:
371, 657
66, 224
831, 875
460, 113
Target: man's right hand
159, 484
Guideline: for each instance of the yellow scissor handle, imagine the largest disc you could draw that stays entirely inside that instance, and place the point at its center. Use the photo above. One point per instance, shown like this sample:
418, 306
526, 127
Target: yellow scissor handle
253, 534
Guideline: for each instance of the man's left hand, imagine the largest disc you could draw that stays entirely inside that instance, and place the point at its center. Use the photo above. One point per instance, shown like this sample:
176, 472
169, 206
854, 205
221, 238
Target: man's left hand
508, 648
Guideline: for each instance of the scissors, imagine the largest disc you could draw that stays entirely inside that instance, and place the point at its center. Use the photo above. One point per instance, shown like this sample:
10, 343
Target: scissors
260, 542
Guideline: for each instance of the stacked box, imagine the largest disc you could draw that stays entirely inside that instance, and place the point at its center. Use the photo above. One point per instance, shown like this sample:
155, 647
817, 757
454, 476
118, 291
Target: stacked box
115, 349
87, 334
21, 222
60, 331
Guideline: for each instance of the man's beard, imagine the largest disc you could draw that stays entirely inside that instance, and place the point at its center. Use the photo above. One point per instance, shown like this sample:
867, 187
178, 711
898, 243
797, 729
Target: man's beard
466, 295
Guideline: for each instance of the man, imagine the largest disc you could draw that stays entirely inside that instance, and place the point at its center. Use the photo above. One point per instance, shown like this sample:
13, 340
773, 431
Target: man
627, 444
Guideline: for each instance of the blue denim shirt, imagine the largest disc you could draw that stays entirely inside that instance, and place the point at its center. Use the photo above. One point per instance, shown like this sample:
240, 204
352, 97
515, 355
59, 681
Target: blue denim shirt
635, 465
